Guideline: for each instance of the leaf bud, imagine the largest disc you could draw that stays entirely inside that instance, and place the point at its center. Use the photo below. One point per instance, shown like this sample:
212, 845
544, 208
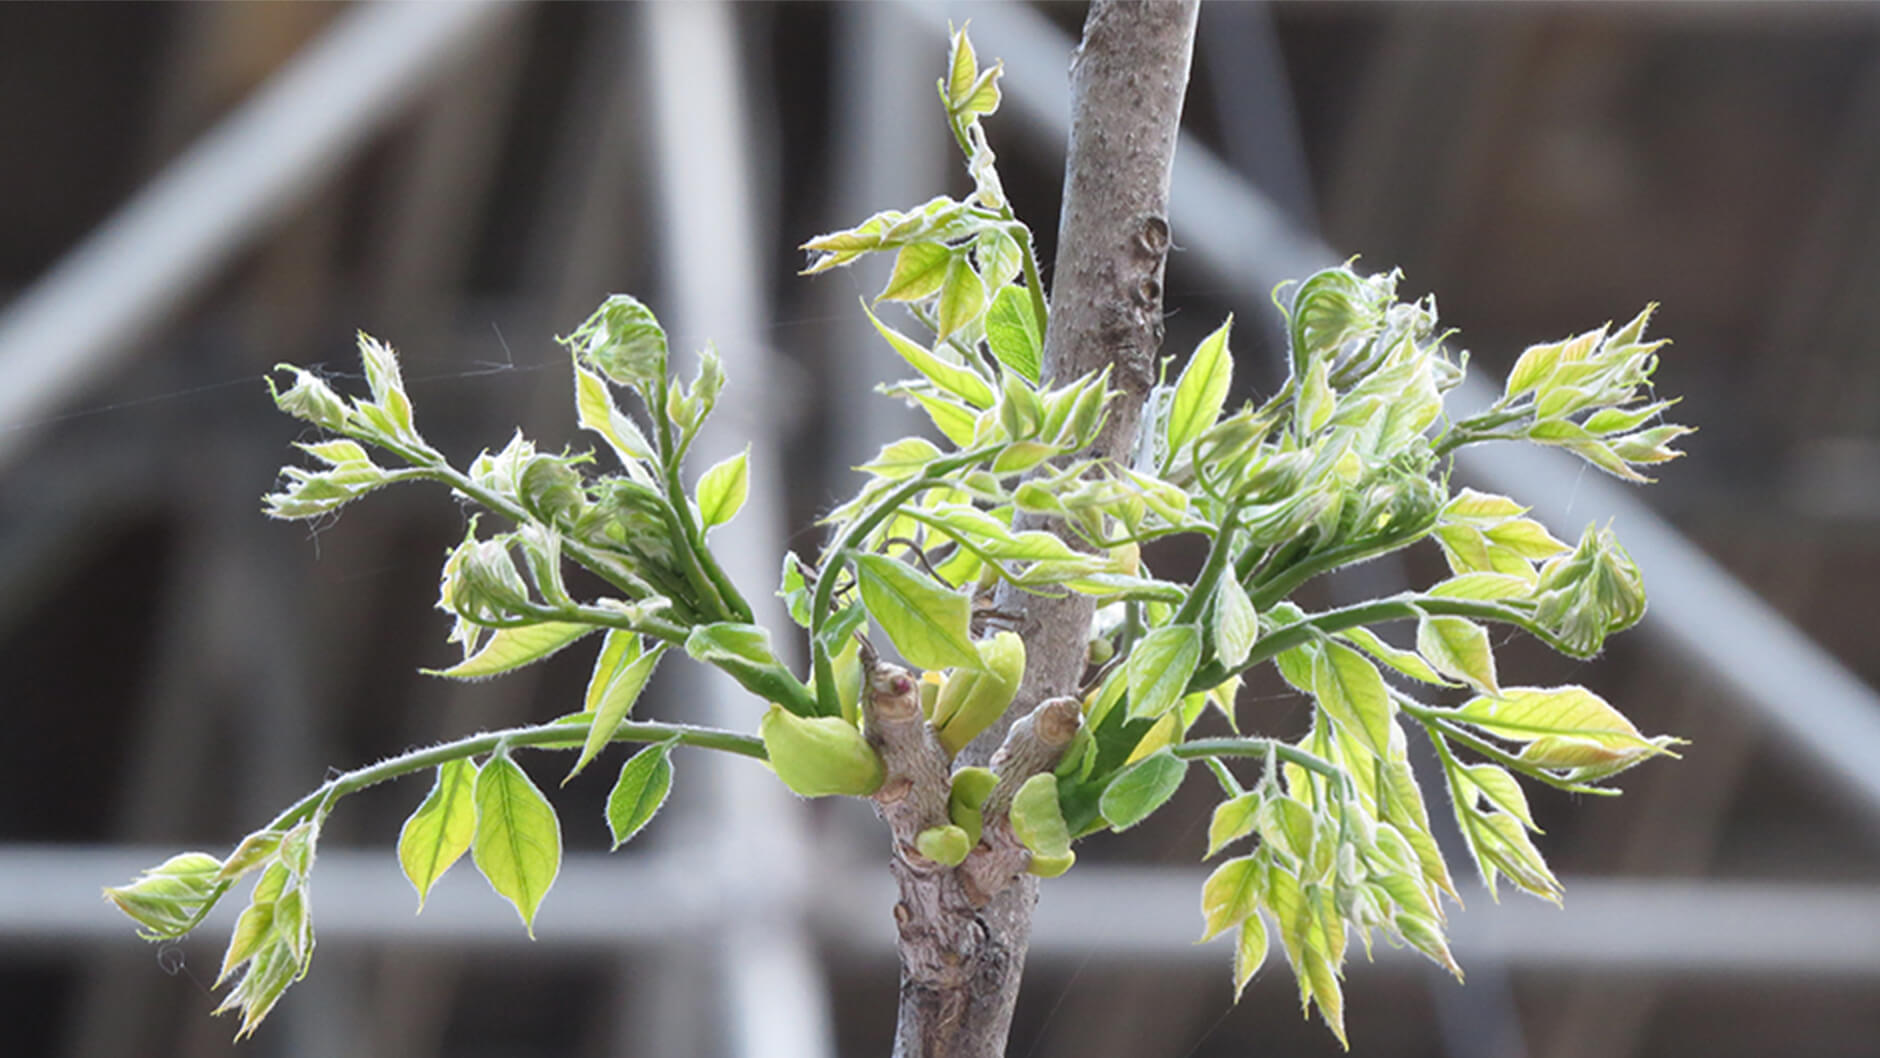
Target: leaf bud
166, 899
550, 489
946, 844
624, 341
973, 698
820, 755
487, 585
966, 800
310, 400
1590, 593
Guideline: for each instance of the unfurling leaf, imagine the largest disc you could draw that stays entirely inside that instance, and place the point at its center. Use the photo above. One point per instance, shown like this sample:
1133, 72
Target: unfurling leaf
615, 702
928, 623
441, 829
1038, 823
820, 756
919, 269
517, 844
512, 648
645, 780
1525, 714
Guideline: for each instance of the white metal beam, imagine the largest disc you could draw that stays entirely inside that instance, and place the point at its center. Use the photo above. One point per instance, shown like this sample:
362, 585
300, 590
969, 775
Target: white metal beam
67, 329
48, 896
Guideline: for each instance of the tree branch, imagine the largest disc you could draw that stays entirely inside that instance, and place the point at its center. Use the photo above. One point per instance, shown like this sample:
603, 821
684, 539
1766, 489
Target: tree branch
1128, 80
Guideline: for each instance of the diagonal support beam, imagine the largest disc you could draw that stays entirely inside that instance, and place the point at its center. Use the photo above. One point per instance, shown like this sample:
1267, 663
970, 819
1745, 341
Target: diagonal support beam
84, 315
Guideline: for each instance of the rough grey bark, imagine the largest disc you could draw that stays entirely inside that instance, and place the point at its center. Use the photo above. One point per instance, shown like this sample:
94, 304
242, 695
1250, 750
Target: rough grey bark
964, 933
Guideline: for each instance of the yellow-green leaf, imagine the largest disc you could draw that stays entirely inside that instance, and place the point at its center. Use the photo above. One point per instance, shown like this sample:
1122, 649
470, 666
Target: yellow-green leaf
1458, 648
1201, 390
1231, 894
1523, 714
595, 410
960, 381
614, 704
1233, 819
928, 623
645, 780
1037, 820
1502, 791
919, 269
1160, 667
1352, 693
441, 829
518, 839
1249, 952
723, 488
512, 648
1236, 625
962, 297
1407, 662
1012, 332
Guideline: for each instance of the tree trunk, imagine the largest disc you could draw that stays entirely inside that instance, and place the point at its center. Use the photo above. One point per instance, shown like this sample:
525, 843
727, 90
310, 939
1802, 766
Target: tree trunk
961, 954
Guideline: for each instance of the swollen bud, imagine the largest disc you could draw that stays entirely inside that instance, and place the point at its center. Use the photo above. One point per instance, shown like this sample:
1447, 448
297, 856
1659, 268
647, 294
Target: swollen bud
973, 698
820, 755
1038, 823
168, 897
946, 845
966, 800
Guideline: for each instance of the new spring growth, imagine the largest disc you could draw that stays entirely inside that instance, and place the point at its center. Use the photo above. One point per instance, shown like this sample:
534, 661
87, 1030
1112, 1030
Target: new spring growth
817, 756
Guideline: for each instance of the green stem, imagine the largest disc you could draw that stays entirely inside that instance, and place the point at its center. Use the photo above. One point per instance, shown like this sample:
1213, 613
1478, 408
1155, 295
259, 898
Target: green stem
539, 736
1202, 748
1039, 310
1406, 607
1284, 584
1219, 551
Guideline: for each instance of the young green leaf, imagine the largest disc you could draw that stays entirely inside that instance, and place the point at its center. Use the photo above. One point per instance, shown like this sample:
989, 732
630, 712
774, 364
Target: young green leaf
1407, 662
1352, 693
962, 298
1502, 791
1012, 333
929, 624
919, 269
645, 780
1249, 952
512, 648
961, 382
1140, 789
722, 489
614, 705
1523, 714
595, 410
1236, 625
1231, 894
1160, 667
1202, 389
441, 829
1458, 648
1233, 819
517, 844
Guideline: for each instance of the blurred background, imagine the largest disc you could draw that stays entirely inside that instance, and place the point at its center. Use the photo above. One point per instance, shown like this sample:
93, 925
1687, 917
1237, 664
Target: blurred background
193, 193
